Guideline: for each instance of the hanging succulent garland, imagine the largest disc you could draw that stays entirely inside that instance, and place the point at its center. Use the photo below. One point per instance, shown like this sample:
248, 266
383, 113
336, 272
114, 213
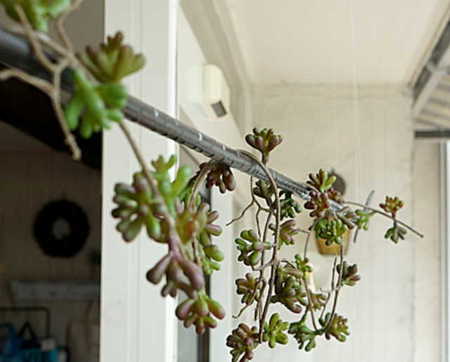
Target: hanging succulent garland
170, 211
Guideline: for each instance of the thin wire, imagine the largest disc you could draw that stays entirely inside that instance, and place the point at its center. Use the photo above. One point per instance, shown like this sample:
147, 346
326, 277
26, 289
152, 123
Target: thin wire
355, 99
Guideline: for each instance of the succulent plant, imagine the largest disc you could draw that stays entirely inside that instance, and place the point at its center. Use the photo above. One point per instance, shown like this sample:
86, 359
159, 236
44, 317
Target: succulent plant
395, 233
219, 175
93, 108
337, 328
363, 218
287, 232
38, 12
137, 206
275, 331
113, 61
349, 273
243, 340
264, 140
180, 273
321, 181
173, 214
289, 290
251, 247
263, 190
305, 336
303, 265
317, 300
319, 203
330, 230
211, 254
289, 207
392, 205
200, 312
249, 288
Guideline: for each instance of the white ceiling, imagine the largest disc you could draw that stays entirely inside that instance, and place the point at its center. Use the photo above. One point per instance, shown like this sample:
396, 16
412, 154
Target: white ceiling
334, 41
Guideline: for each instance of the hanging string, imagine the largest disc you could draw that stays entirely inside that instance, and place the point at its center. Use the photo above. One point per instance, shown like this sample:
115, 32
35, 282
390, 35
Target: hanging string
335, 100
355, 99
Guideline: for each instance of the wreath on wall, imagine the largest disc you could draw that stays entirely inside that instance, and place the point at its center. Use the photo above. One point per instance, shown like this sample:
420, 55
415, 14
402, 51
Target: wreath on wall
61, 229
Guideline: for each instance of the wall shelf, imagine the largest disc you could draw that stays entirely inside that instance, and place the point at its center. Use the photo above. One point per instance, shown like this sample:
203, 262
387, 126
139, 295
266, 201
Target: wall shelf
55, 291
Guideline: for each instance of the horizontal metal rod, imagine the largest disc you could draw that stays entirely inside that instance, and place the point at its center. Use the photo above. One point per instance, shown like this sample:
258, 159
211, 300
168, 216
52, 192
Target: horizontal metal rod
15, 52
432, 134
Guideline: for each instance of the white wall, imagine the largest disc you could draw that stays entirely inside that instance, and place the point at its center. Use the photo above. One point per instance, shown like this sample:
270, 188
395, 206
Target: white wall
369, 141
428, 285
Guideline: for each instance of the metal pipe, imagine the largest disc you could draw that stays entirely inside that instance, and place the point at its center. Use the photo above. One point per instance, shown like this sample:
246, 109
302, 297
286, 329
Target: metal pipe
15, 52
442, 134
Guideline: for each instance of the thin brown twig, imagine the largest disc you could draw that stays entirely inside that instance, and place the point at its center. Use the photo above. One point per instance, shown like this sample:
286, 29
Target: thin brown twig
43, 85
60, 25
275, 244
173, 240
52, 90
336, 293
367, 203
385, 215
241, 215
308, 295
262, 268
30, 34
305, 252
198, 181
56, 101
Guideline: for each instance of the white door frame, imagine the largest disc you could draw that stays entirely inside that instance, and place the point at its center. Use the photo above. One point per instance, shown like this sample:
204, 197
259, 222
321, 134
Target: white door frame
445, 249
137, 325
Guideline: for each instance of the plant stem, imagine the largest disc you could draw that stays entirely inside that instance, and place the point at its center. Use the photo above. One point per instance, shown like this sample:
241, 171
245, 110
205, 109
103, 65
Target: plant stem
385, 215
60, 25
367, 204
173, 240
338, 288
37, 49
275, 244
198, 181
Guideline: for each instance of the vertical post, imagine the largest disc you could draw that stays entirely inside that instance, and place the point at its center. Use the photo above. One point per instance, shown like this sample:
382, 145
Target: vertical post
137, 324
222, 283
445, 250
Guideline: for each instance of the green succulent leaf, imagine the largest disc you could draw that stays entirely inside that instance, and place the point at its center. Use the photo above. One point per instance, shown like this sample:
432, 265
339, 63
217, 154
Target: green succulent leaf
243, 341
250, 288
250, 247
264, 140
38, 12
337, 328
395, 233
113, 61
93, 108
275, 331
289, 289
331, 230
305, 336
289, 207
363, 218
392, 205
349, 273
137, 206
200, 312
321, 181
